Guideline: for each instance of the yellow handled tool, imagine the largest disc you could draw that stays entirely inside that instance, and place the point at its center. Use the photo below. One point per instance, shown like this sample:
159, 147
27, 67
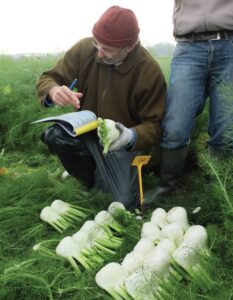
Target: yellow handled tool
138, 162
86, 128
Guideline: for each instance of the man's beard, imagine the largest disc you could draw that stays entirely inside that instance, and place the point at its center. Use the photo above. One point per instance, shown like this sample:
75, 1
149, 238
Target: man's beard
115, 61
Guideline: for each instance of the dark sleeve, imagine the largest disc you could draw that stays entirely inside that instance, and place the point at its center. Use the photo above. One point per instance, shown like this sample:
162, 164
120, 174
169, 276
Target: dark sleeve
63, 73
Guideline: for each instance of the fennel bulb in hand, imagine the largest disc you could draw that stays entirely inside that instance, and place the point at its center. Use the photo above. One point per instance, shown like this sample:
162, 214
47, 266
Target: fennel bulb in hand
107, 133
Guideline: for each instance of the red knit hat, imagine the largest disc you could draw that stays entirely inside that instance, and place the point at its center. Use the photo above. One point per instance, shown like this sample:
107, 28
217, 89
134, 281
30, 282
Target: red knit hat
117, 27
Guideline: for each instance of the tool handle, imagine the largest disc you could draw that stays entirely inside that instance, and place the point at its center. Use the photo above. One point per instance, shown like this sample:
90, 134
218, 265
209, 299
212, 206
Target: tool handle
140, 183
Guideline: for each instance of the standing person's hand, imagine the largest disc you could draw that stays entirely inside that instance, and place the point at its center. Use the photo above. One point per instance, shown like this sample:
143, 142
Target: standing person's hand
62, 95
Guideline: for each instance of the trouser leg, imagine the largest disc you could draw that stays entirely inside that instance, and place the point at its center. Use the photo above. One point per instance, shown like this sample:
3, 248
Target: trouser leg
114, 173
72, 152
185, 100
186, 95
220, 97
82, 157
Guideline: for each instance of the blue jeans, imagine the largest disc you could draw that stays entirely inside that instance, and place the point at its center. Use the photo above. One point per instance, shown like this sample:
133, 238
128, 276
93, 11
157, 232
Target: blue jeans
200, 71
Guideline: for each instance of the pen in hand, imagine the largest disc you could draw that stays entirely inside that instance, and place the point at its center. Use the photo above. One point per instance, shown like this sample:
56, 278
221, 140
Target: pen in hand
77, 106
73, 84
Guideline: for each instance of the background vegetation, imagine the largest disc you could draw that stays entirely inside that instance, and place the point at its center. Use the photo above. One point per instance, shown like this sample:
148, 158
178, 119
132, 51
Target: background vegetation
30, 179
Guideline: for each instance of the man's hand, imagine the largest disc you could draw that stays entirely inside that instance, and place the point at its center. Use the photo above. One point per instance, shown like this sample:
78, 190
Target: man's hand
125, 137
62, 95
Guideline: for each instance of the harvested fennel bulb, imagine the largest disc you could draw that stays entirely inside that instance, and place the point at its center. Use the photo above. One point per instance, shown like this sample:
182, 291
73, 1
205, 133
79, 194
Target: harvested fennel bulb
178, 214
70, 249
168, 245
115, 207
111, 278
174, 232
140, 286
107, 133
196, 236
151, 231
132, 261
144, 246
193, 262
158, 261
89, 226
159, 217
100, 238
52, 217
104, 218
87, 250
68, 211
61, 214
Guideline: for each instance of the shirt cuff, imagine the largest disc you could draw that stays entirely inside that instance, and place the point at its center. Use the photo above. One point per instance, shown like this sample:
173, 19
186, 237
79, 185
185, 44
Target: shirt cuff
133, 140
48, 102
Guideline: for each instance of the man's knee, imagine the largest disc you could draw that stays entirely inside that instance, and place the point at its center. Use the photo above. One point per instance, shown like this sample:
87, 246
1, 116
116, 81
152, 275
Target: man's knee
175, 137
50, 135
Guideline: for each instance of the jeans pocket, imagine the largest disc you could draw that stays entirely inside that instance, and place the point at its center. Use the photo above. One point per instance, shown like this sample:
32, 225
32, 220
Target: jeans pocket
180, 48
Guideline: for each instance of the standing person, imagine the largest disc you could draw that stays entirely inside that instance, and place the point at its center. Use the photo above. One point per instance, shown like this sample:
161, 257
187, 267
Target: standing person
118, 80
202, 68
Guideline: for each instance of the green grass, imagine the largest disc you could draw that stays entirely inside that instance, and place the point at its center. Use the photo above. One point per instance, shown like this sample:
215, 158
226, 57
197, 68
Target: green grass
31, 179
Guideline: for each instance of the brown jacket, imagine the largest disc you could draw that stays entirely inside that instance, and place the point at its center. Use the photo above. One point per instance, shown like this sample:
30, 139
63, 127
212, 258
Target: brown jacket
132, 93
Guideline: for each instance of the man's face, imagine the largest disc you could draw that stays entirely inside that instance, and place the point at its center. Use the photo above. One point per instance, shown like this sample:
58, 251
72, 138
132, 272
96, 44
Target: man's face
110, 55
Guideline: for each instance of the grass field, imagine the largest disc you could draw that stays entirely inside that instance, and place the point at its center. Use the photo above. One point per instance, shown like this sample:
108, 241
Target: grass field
30, 179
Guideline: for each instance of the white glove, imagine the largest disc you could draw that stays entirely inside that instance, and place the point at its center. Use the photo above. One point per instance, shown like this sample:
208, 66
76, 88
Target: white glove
125, 137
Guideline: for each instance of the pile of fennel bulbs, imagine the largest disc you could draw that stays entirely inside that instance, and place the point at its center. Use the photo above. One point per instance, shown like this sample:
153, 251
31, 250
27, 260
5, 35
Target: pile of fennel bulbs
95, 241
169, 250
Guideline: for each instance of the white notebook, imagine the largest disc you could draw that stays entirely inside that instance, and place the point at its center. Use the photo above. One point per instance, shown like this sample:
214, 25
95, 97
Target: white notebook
71, 121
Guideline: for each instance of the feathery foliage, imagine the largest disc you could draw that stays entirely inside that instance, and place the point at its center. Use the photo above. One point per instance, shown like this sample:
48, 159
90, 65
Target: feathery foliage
30, 179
